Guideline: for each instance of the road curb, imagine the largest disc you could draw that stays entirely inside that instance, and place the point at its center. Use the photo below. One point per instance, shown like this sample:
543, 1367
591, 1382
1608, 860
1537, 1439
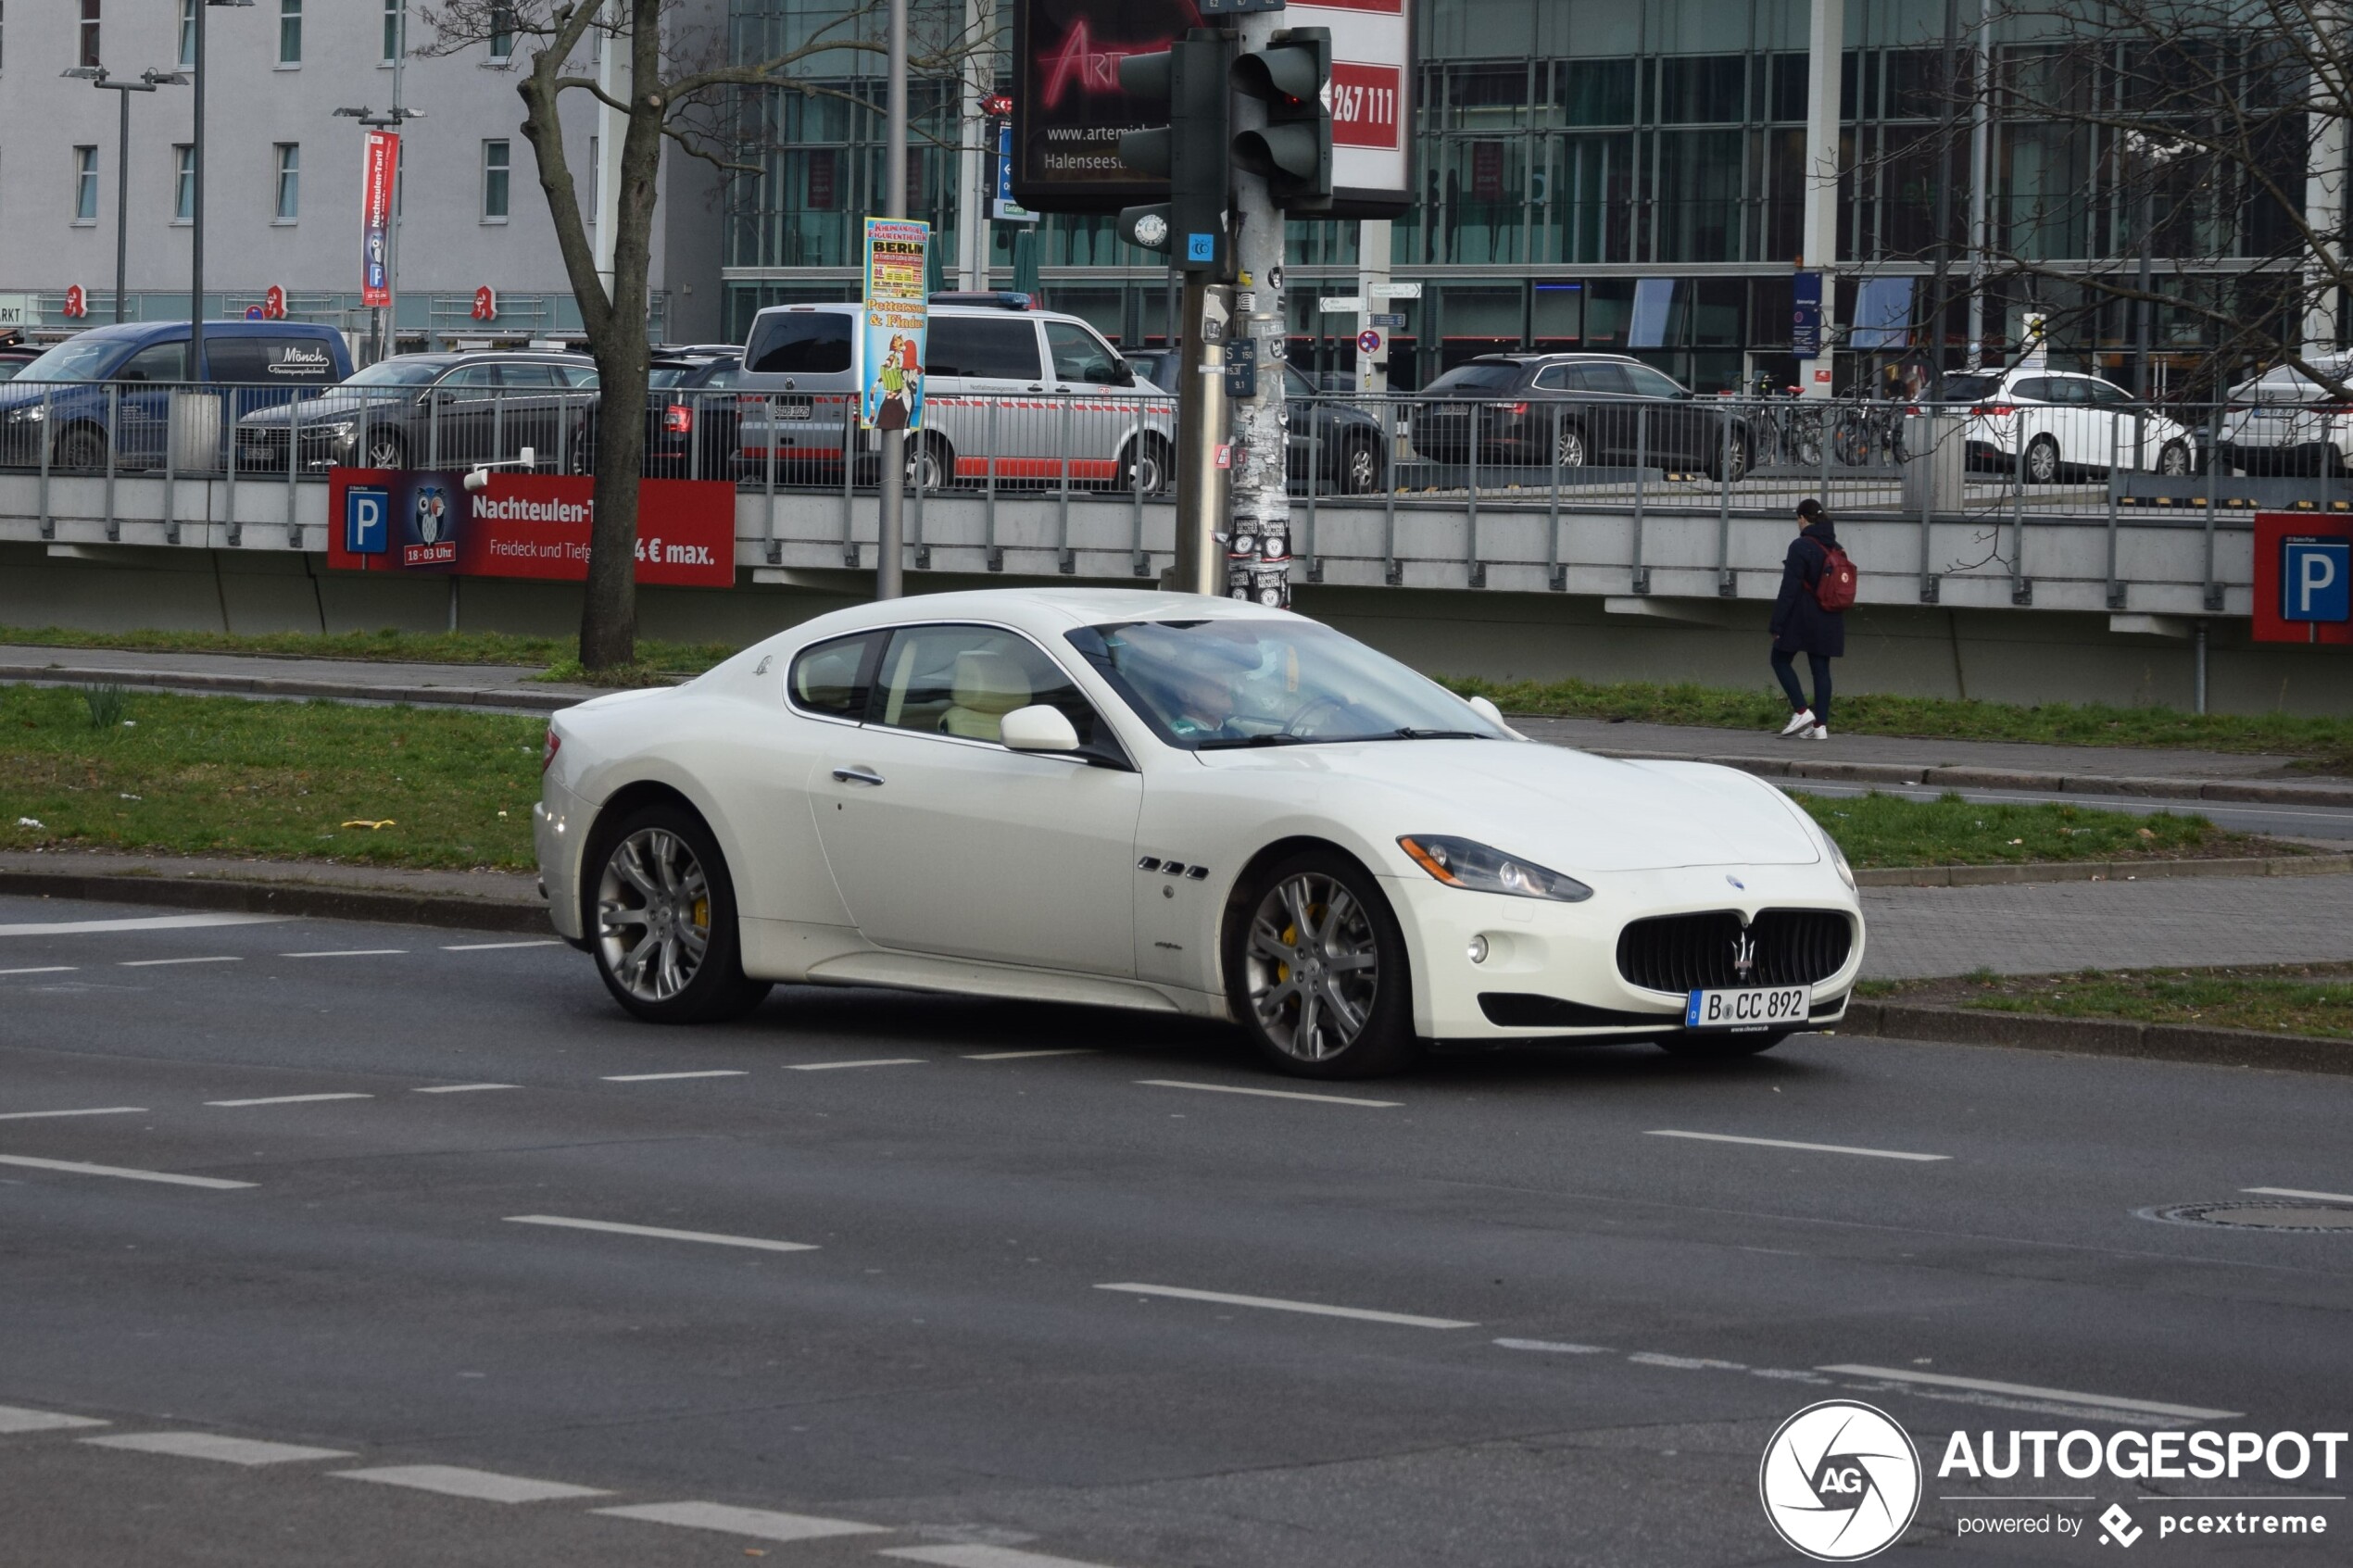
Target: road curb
2246, 791
2098, 1037
302, 899
2012, 874
204, 684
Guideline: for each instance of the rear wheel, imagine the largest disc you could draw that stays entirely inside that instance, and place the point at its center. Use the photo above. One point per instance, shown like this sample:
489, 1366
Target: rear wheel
2175, 460
1730, 460
1569, 451
1721, 1047
1360, 468
385, 450
1144, 466
84, 447
661, 920
931, 464
2042, 461
1317, 972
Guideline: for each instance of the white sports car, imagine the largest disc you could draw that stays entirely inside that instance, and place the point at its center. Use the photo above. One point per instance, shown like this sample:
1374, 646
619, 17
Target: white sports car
1194, 805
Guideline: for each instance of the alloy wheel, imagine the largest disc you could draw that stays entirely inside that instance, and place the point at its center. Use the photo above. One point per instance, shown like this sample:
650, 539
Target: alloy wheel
1363, 469
653, 908
1312, 967
2042, 461
384, 452
1569, 451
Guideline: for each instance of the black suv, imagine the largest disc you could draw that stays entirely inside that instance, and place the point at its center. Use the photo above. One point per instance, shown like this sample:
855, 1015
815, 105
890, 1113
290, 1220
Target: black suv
1345, 438
692, 425
1568, 410
429, 410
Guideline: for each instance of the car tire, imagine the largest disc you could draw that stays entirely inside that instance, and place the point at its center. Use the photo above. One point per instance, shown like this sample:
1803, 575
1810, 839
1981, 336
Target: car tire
1728, 466
659, 871
1721, 1047
1144, 465
1569, 451
1360, 468
2042, 461
1355, 962
385, 450
931, 463
2173, 460
84, 447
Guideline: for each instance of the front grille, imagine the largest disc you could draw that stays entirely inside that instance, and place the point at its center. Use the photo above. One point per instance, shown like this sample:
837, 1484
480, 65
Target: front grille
1697, 952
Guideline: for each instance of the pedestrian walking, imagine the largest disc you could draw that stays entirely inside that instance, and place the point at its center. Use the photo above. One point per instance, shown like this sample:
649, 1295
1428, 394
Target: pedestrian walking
1809, 617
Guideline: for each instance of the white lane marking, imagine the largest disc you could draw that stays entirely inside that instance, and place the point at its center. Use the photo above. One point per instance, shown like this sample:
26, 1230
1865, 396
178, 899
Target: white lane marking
213, 1446
15, 1418
94, 1111
1276, 1304
659, 1077
2027, 1390
43, 969
875, 1062
347, 953
494, 946
1017, 1056
462, 1088
288, 1099
77, 1169
2298, 1192
1787, 1143
456, 1481
758, 1523
1554, 1345
143, 923
661, 1233
1685, 1364
1268, 1094
158, 963
980, 1557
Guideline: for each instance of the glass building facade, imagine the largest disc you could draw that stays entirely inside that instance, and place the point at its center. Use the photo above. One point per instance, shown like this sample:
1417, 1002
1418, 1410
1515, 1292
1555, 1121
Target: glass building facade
1619, 175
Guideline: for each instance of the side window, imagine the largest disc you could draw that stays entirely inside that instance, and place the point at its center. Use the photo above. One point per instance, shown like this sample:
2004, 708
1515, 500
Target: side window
470, 378
1608, 379
2106, 394
723, 375
963, 679
580, 375
800, 343
1005, 350
1648, 382
233, 358
1079, 355
1552, 378
834, 678
1295, 384
2035, 389
164, 361
540, 378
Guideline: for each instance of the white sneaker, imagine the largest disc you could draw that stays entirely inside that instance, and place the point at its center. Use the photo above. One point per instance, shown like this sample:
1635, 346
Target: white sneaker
1820, 731
1801, 719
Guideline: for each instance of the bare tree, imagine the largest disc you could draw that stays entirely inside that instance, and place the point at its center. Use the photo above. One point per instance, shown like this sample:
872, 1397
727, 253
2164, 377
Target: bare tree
682, 88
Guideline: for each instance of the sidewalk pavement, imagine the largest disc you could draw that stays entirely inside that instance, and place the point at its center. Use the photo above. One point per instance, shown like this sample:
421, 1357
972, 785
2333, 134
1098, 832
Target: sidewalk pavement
503, 688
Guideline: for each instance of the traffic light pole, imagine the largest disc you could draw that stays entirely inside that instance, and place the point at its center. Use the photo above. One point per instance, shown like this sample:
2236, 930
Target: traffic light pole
1202, 488
1258, 550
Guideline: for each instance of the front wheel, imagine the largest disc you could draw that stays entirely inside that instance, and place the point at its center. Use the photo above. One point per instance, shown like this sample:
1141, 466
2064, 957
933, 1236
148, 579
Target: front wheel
1145, 465
662, 921
1360, 468
2042, 461
2175, 460
1317, 972
1729, 462
1569, 451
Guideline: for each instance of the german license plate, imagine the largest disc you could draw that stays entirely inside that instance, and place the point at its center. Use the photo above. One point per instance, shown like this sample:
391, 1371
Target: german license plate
792, 410
1749, 1009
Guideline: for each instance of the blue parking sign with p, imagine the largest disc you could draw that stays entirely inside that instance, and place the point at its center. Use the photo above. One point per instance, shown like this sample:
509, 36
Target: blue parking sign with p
366, 517
2316, 579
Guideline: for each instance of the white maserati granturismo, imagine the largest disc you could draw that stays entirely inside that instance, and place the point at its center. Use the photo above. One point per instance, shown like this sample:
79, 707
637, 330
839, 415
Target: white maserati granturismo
1149, 801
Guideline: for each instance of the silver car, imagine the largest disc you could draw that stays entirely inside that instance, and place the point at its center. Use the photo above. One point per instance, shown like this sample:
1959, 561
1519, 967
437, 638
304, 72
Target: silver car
2283, 421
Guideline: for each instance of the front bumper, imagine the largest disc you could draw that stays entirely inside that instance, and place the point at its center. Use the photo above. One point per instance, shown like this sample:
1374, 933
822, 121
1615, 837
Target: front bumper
559, 823
1567, 954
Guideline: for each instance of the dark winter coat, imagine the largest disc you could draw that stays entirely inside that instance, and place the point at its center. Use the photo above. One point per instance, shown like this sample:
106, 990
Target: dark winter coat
1800, 624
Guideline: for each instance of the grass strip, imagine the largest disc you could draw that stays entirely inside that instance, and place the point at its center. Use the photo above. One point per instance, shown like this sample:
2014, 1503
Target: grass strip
656, 659
2277, 998
2327, 743
1888, 830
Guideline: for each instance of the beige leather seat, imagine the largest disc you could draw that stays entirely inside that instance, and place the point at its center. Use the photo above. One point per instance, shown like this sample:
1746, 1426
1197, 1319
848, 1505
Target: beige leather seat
988, 686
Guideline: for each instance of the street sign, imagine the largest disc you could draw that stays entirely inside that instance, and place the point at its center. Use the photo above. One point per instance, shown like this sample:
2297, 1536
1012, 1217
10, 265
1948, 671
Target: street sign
1390, 321
2314, 578
1341, 304
1806, 315
1396, 291
1368, 342
1003, 209
2303, 578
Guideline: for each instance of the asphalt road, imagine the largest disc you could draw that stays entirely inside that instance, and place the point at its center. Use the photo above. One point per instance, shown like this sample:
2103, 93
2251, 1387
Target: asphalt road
995, 1285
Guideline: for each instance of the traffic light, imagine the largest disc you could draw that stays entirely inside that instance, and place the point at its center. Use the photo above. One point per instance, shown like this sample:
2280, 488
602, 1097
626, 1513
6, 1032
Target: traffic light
1188, 152
1294, 151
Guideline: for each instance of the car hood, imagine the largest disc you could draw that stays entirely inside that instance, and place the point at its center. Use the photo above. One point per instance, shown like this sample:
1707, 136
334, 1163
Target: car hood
333, 403
1568, 810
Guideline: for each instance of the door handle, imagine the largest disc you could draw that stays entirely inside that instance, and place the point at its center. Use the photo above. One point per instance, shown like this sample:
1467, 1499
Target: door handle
858, 775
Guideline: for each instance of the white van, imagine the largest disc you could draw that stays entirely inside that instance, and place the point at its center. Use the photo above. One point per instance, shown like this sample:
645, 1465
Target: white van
1025, 396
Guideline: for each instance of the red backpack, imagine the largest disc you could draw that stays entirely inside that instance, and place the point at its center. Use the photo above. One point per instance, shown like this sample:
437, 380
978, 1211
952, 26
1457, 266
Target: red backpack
1834, 589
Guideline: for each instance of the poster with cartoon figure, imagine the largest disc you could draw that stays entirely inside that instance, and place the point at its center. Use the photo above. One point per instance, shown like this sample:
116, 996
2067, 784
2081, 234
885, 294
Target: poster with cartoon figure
896, 314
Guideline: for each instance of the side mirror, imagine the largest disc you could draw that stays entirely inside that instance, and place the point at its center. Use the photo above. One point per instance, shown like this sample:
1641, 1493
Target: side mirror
1039, 727
1493, 715
1122, 373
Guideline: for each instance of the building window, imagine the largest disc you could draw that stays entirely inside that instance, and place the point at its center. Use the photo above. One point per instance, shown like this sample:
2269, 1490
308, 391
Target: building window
187, 32
496, 163
502, 34
184, 182
85, 184
89, 39
290, 33
289, 181
395, 29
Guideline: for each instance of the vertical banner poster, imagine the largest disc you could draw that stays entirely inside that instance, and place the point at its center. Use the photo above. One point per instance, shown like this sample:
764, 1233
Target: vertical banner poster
896, 312
379, 169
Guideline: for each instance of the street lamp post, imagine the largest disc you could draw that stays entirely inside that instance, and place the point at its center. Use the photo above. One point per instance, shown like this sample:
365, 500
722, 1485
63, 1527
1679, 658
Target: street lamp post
196, 239
146, 81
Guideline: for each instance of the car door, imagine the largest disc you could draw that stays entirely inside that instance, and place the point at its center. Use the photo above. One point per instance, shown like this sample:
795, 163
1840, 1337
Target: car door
998, 381
1095, 414
458, 413
529, 397
1673, 421
2039, 413
2110, 425
143, 414
943, 842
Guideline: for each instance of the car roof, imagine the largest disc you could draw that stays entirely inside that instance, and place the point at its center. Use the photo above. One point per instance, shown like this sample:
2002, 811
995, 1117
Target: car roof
1046, 611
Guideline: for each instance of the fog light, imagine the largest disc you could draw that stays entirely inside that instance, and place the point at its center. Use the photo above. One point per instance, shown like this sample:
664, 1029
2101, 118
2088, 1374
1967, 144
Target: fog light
1477, 950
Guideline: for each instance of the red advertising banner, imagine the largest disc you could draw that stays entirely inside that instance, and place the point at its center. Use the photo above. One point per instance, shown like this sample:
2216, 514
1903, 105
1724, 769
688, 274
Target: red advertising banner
523, 525
1364, 104
379, 168
2303, 571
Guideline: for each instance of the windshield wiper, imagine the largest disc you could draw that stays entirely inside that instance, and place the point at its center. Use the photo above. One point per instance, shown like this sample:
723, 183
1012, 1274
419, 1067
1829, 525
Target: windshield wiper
1278, 737
1410, 732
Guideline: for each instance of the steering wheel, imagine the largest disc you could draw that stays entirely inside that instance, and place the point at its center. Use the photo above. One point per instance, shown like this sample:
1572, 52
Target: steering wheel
1322, 705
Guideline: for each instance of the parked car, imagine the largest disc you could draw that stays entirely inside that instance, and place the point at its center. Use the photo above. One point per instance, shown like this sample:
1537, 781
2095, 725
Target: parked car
14, 357
428, 411
2070, 424
2285, 423
1343, 438
1568, 410
691, 425
1028, 395
1175, 803
109, 390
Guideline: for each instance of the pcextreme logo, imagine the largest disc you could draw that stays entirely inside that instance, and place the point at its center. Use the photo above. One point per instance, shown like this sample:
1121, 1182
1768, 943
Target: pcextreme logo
1841, 1481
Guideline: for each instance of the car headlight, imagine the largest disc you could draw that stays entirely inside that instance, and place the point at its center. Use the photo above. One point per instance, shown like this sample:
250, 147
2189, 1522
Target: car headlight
38, 412
1462, 862
340, 430
1838, 858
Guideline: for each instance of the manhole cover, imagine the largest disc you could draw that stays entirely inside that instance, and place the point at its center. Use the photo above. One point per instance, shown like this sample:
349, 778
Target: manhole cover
2257, 1216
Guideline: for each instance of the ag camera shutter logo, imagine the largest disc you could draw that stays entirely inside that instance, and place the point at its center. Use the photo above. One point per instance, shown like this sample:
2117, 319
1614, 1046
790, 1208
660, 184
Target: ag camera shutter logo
1840, 1482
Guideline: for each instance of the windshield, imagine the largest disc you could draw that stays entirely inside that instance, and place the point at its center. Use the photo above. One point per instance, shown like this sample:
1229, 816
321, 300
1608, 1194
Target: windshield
80, 358
1211, 685
398, 372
